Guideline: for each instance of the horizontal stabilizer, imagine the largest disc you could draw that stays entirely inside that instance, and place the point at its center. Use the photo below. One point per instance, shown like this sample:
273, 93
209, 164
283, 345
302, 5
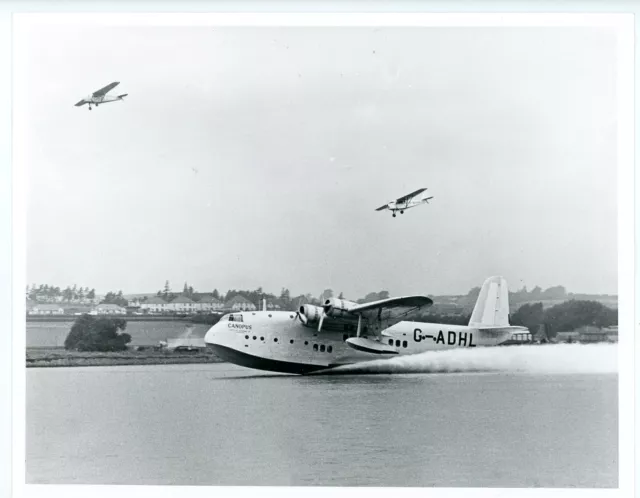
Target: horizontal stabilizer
370, 346
123, 95
382, 208
81, 103
498, 331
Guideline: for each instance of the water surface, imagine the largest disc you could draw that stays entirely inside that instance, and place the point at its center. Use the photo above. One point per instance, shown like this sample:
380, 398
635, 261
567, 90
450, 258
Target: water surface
218, 424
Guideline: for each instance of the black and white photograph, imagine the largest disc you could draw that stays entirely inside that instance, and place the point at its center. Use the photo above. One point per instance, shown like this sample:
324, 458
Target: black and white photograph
338, 251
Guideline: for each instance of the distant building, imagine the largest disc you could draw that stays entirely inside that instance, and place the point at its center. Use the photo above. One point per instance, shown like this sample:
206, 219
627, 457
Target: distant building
134, 303
612, 333
208, 304
108, 309
567, 336
154, 305
182, 304
239, 303
46, 309
76, 309
275, 305
590, 333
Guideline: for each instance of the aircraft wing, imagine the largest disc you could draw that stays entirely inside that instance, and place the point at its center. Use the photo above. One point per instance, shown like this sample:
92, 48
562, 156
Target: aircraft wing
81, 103
405, 198
394, 307
382, 208
106, 89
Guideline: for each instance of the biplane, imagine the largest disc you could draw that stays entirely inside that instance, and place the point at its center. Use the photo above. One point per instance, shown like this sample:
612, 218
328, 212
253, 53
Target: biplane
408, 201
100, 96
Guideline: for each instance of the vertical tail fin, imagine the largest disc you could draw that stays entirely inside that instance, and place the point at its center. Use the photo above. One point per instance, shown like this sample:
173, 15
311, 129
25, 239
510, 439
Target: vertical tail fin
492, 306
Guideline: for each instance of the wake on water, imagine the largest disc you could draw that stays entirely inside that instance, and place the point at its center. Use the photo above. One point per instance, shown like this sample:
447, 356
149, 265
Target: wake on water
541, 359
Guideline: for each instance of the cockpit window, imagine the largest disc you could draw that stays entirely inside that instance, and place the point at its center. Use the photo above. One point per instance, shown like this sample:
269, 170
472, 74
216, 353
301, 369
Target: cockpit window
232, 318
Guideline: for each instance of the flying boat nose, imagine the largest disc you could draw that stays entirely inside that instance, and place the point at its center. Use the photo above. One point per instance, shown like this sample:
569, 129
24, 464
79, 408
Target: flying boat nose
210, 336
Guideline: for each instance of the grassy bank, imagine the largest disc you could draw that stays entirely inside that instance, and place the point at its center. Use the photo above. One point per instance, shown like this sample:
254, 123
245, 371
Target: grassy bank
59, 357
132, 318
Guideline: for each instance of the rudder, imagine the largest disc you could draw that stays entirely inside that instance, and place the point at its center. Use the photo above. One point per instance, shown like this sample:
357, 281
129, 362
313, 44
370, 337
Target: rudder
492, 306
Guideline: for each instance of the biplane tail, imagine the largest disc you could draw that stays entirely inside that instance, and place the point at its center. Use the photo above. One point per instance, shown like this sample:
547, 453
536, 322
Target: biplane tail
121, 97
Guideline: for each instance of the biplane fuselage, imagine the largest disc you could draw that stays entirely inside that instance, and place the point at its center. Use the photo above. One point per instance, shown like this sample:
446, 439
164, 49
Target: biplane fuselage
304, 341
408, 204
101, 99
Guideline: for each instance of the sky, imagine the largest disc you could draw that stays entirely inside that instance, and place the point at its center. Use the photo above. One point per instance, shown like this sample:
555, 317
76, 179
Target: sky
248, 157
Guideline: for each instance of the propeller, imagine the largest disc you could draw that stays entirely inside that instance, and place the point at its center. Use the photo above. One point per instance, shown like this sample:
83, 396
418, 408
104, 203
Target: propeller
325, 309
303, 319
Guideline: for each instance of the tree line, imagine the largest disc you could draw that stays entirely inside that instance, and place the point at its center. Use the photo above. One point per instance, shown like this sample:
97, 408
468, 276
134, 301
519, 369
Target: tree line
531, 313
51, 293
563, 317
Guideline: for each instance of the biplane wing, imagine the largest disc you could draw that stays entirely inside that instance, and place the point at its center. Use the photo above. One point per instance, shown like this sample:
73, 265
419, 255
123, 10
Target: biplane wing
103, 91
392, 308
405, 198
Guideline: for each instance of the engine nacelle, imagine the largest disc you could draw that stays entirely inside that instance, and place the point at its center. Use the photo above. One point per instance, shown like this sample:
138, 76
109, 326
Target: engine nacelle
337, 308
310, 312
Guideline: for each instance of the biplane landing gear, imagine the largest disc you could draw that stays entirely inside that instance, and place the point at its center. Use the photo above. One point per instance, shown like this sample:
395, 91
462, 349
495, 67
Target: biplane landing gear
394, 215
401, 212
89, 107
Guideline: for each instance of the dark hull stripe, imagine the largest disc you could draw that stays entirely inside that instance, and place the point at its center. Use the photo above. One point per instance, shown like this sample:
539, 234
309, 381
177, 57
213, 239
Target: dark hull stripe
368, 350
251, 361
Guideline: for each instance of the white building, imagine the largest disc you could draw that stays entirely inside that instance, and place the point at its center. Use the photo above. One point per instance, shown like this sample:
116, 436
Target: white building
46, 309
154, 305
109, 309
182, 304
240, 303
208, 303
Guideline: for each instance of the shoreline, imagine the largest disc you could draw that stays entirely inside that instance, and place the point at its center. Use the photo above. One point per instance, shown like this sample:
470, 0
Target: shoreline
59, 357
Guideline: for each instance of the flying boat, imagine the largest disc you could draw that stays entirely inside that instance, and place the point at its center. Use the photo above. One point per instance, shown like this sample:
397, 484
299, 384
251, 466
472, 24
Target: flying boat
342, 332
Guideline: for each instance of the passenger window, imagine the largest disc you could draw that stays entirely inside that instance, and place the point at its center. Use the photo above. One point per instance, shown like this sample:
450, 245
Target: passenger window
390, 342
315, 347
262, 338
291, 341
246, 337
254, 337
404, 344
275, 339
398, 344
306, 343
322, 348
329, 349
